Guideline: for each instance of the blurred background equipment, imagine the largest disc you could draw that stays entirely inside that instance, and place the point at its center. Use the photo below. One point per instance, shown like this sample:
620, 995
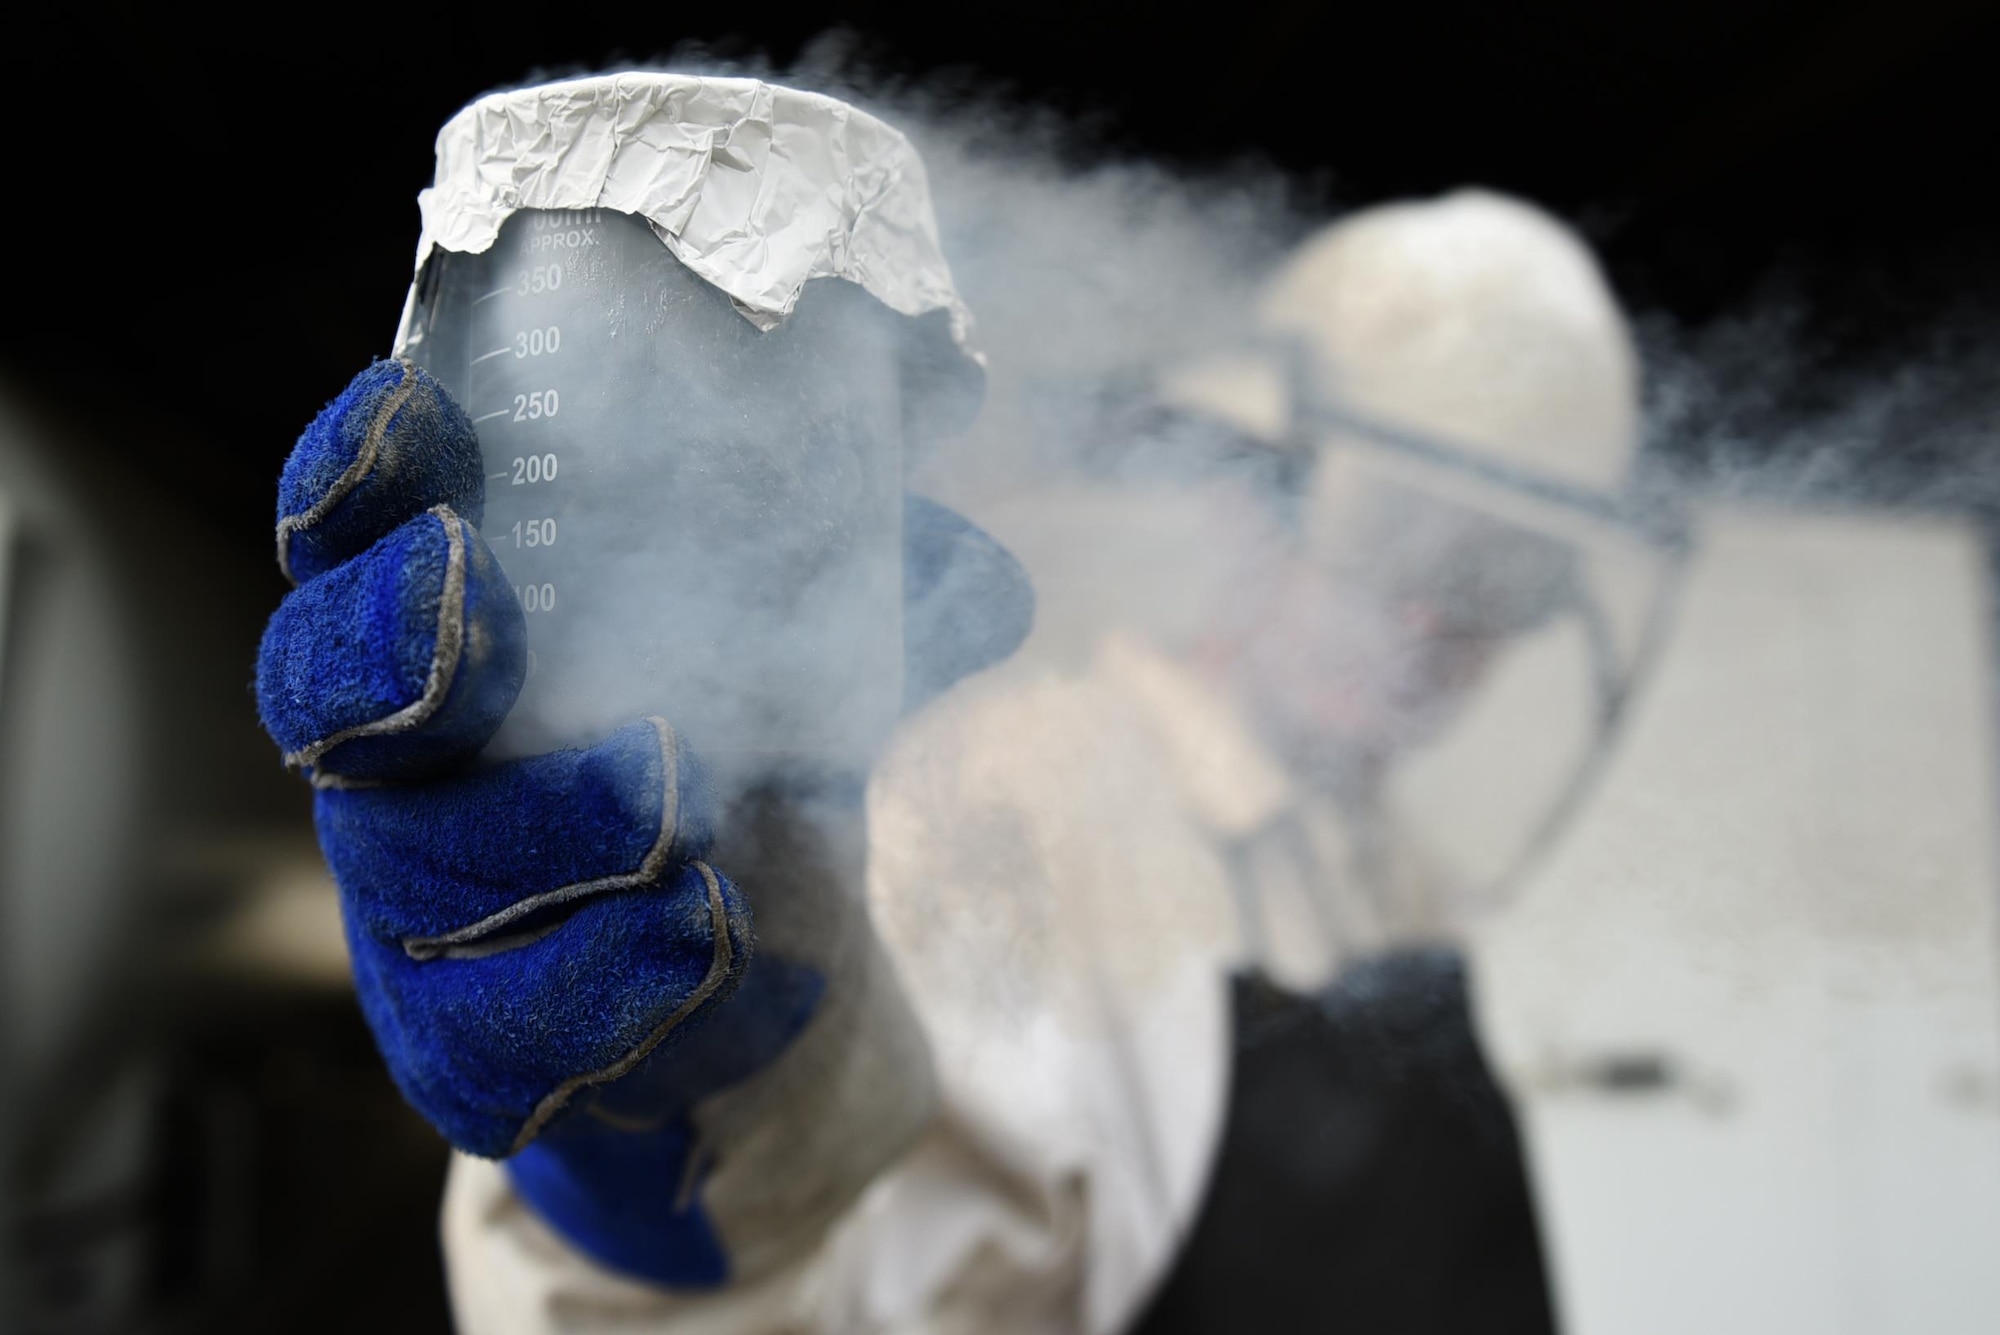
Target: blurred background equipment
1749, 1008
196, 1130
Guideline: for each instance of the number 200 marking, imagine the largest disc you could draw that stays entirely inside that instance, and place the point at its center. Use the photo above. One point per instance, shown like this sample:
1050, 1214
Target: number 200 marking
534, 468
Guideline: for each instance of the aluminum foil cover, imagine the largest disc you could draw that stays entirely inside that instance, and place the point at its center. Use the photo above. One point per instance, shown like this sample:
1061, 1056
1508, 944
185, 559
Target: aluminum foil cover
757, 188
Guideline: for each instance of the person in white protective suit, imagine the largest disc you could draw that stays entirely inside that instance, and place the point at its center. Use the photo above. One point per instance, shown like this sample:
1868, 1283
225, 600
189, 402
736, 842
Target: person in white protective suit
1733, 954
1066, 867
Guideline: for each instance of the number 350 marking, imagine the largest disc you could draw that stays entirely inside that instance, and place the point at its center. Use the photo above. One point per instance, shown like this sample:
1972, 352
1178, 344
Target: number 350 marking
542, 278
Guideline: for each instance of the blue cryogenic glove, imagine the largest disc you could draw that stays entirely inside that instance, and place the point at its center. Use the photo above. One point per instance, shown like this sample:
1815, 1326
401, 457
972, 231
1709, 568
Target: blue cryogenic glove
553, 971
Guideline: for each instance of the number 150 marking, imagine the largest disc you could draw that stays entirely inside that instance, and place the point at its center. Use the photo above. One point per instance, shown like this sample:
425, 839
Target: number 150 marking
535, 533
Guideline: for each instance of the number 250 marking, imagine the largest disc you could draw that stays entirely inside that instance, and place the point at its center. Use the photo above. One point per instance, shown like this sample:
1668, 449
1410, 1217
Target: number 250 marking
542, 403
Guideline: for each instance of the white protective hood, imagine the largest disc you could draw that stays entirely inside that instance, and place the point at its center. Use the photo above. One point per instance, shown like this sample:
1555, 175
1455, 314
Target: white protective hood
756, 188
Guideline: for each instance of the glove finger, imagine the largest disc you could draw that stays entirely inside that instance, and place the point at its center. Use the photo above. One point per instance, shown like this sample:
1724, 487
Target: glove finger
389, 448
478, 860
491, 1046
398, 663
967, 603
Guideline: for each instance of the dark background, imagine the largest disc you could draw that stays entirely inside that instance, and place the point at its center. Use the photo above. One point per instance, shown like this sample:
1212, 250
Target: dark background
211, 219
209, 227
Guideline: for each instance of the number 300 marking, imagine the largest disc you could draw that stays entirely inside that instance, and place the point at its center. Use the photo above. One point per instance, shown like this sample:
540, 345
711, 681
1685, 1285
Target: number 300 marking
535, 342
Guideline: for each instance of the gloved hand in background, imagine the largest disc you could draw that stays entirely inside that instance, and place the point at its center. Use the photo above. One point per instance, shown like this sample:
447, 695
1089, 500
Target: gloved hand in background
546, 959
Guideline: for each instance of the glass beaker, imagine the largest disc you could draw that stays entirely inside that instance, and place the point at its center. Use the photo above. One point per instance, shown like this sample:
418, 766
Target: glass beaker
701, 520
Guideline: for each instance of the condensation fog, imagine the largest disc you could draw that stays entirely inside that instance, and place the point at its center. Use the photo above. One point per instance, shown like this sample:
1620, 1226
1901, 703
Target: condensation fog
1096, 281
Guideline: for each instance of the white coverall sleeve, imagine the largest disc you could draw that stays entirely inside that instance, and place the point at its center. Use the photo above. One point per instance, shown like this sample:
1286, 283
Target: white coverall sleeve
1055, 920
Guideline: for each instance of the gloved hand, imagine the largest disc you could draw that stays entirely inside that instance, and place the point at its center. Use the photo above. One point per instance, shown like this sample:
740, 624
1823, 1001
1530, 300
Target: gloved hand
538, 944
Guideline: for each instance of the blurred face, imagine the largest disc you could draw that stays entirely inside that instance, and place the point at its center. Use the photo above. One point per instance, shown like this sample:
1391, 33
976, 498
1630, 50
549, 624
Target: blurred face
1338, 675
1346, 659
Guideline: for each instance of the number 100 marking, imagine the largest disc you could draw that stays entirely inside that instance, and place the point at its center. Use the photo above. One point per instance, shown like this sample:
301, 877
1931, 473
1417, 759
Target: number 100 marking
536, 597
